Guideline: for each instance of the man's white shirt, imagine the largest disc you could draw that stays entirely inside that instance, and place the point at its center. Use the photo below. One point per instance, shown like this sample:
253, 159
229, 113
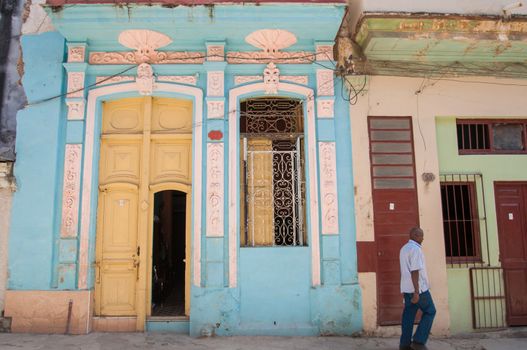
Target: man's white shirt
411, 259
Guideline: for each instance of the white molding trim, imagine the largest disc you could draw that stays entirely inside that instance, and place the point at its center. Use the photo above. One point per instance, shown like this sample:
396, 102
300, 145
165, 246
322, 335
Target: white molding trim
215, 189
234, 193
90, 163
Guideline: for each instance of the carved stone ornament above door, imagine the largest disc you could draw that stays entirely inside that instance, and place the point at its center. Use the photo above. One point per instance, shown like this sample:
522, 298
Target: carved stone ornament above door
271, 41
145, 43
271, 76
145, 79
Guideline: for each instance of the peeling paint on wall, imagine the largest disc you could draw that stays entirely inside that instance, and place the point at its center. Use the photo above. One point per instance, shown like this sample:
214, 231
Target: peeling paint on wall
12, 96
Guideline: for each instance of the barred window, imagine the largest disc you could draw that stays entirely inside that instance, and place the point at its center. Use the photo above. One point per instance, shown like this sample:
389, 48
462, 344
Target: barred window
491, 136
460, 221
272, 175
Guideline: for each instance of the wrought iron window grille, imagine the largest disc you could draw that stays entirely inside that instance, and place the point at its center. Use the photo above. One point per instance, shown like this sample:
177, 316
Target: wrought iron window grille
273, 183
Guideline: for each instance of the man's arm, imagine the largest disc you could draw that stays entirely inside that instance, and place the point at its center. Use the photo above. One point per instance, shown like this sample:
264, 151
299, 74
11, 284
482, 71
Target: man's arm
415, 282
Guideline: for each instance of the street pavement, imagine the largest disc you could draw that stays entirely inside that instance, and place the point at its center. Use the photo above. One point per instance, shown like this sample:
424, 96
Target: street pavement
165, 341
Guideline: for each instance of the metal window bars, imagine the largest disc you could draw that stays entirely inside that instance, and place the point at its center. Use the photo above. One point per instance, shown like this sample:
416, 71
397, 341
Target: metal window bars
467, 246
273, 184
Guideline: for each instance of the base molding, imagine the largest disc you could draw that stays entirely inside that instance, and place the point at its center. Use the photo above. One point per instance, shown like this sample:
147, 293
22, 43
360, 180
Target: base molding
44, 311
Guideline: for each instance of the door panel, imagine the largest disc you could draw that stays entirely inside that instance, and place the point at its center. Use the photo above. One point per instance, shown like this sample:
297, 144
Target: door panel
395, 206
123, 116
172, 116
118, 287
117, 261
119, 161
511, 210
171, 161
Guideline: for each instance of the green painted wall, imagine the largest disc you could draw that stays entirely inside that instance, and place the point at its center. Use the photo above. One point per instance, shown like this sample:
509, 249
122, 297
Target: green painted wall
493, 168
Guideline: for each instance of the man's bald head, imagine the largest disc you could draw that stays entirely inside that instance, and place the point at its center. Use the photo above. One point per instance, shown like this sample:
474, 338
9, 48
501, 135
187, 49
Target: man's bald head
417, 234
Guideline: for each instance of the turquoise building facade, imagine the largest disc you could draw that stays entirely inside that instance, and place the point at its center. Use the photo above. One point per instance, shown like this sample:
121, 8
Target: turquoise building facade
210, 64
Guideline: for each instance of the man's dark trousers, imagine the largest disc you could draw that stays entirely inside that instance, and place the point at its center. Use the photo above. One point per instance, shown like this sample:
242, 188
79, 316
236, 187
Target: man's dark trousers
426, 304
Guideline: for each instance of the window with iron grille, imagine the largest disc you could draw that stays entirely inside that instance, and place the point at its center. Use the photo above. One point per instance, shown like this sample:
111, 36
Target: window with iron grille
460, 221
491, 136
272, 175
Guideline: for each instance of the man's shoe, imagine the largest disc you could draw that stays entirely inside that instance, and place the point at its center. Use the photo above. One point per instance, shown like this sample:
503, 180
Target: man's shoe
405, 347
418, 346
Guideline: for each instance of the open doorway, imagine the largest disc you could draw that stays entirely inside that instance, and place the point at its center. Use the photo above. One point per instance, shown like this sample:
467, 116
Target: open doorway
168, 254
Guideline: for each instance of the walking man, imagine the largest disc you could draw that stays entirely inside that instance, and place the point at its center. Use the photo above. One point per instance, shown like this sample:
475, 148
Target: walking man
415, 289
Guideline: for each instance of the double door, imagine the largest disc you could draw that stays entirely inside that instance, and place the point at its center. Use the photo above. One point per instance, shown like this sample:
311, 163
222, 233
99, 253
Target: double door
146, 147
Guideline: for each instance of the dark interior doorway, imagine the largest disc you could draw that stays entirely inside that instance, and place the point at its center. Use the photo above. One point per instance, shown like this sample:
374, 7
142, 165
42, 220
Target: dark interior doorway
168, 254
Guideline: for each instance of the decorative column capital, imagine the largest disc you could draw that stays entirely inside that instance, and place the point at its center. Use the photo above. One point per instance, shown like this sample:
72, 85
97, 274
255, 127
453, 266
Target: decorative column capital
215, 51
76, 52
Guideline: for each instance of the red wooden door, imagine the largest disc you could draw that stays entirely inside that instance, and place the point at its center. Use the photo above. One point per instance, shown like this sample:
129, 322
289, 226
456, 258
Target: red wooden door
395, 208
511, 210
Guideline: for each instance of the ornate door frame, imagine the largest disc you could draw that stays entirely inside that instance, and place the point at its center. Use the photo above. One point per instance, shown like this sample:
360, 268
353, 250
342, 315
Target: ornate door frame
284, 89
89, 173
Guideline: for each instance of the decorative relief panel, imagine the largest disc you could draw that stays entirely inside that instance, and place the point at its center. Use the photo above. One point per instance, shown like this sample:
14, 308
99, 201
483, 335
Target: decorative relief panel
324, 52
180, 79
76, 53
328, 188
162, 57
279, 57
216, 53
145, 79
271, 40
325, 108
298, 79
271, 79
215, 189
244, 79
75, 110
100, 81
215, 83
71, 190
215, 109
325, 82
75, 84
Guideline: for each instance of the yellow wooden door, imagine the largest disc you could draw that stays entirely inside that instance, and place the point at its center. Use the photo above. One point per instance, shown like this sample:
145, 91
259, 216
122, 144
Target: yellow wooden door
145, 142
117, 268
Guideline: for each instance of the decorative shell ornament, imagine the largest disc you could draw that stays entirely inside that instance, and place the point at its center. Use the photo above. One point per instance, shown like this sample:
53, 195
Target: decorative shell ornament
145, 42
271, 40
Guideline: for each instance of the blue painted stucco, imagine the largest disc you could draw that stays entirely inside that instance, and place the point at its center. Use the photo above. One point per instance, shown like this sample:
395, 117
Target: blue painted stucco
274, 293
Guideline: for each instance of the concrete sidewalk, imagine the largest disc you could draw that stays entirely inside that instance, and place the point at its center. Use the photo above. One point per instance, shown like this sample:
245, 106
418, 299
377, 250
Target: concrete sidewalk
96, 341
